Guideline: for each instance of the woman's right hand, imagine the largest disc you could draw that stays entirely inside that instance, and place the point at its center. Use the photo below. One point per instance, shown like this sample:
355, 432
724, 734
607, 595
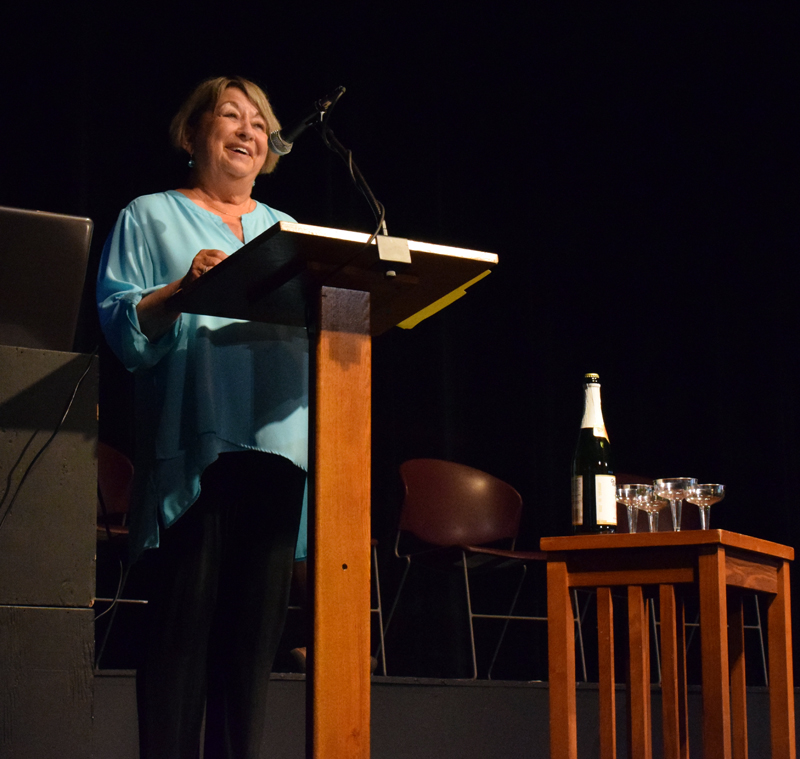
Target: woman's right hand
206, 259
155, 319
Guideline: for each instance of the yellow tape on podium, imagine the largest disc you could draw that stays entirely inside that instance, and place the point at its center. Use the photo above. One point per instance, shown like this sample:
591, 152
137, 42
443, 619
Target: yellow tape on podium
438, 305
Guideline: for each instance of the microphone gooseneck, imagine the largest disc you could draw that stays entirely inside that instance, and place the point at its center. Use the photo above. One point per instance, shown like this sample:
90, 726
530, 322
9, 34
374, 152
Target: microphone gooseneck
280, 142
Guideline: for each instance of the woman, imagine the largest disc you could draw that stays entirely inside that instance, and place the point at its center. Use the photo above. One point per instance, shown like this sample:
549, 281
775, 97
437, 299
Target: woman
222, 425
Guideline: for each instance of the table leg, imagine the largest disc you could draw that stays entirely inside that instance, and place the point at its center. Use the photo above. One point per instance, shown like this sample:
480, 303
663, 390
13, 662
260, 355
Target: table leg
671, 663
714, 652
605, 639
737, 670
561, 664
683, 688
639, 668
781, 690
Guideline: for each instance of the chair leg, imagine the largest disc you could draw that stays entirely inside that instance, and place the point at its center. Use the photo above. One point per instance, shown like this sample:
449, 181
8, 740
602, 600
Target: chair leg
655, 626
695, 625
379, 610
397, 596
123, 578
761, 639
579, 615
759, 628
507, 620
469, 612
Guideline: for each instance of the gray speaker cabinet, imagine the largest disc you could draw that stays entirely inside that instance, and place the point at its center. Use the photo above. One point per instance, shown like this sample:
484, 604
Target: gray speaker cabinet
48, 505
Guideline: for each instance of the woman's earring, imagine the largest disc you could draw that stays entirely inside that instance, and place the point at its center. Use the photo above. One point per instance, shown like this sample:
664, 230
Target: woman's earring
191, 162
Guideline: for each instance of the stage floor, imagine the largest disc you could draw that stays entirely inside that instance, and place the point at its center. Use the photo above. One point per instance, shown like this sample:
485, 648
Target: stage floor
416, 718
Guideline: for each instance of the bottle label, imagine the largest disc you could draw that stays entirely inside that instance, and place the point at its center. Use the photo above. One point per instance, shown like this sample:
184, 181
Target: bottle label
605, 487
577, 500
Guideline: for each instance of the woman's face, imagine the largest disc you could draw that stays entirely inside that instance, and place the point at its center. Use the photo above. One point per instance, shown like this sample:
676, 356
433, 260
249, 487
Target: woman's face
232, 139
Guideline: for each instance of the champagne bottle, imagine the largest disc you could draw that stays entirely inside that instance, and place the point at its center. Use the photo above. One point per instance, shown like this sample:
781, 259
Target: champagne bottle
594, 488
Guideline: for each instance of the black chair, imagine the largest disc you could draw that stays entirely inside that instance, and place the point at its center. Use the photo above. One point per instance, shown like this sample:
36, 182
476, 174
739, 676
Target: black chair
458, 518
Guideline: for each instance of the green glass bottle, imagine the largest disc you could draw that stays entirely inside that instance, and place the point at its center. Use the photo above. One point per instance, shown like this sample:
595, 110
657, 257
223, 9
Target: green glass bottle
594, 488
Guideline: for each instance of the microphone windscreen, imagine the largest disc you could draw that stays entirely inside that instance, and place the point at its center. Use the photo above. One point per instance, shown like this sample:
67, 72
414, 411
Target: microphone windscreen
278, 145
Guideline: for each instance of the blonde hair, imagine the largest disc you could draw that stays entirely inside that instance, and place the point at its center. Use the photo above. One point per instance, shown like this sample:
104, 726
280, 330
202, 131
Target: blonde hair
205, 98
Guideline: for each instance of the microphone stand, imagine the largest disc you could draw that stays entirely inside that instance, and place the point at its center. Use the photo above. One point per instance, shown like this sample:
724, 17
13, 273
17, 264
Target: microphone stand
333, 144
393, 253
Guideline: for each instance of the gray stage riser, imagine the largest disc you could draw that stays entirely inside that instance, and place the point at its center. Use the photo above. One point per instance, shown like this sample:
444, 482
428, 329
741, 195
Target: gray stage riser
46, 682
432, 720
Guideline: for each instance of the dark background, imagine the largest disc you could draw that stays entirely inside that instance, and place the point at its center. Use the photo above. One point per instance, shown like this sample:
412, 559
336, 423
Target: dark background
634, 169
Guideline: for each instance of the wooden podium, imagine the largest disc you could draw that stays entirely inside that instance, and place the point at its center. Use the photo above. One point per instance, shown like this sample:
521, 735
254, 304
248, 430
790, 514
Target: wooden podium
345, 291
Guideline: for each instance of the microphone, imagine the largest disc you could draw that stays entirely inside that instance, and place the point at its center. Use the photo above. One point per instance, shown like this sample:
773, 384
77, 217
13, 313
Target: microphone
281, 142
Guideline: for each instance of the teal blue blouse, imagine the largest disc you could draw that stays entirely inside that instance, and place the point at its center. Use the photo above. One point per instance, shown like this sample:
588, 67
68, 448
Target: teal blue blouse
208, 386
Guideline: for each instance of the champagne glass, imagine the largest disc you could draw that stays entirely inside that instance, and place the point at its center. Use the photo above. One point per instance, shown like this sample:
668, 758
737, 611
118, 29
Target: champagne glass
631, 496
674, 490
652, 505
705, 496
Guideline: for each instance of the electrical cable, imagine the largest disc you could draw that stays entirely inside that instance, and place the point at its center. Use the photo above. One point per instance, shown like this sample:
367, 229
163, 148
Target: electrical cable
44, 447
377, 208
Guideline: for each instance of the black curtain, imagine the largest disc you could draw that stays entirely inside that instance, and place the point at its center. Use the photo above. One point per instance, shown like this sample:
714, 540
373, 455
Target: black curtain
635, 169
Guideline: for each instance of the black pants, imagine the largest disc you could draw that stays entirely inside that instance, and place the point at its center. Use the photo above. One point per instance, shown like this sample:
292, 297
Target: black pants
221, 579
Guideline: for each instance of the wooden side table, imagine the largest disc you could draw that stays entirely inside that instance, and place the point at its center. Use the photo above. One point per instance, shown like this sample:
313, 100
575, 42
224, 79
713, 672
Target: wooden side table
712, 561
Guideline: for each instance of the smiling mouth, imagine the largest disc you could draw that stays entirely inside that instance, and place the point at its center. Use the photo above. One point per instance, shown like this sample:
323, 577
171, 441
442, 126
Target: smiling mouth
241, 151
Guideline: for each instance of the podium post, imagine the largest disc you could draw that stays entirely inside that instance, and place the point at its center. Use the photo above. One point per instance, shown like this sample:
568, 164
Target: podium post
338, 684
356, 292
